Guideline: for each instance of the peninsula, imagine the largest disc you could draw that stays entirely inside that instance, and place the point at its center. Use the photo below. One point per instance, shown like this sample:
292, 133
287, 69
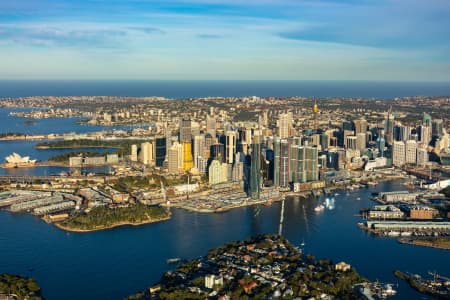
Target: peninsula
19, 288
101, 218
262, 267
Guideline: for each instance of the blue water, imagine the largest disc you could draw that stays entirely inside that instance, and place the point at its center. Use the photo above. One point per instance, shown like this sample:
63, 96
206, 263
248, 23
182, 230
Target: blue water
10, 123
186, 89
15, 124
114, 263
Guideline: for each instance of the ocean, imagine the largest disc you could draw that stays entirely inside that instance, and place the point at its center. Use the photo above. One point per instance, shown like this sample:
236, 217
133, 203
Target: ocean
192, 89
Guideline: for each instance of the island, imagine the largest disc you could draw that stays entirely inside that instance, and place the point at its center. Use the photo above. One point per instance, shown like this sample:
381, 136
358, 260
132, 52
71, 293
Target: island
261, 267
18, 287
105, 217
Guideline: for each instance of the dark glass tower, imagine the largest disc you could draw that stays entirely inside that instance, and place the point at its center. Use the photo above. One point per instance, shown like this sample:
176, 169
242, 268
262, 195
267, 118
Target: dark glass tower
255, 169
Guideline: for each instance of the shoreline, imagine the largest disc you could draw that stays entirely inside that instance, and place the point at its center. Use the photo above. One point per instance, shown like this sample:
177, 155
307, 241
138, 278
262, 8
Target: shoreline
72, 147
422, 244
68, 229
405, 241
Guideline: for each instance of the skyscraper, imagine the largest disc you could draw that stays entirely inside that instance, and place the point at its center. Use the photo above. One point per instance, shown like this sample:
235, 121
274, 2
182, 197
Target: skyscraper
175, 158
276, 162
307, 168
255, 168
361, 141
381, 143
134, 153
218, 152
230, 146
425, 135
438, 127
411, 152
398, 153
284, 124
284, 163
389, 128
160, 150
199, 149
238, 168
211, 125
185, 131
209, 140
360, 126
148, 154
427, 119
188, 162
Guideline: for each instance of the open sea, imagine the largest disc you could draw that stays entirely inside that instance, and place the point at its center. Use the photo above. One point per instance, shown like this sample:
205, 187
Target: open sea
189, 89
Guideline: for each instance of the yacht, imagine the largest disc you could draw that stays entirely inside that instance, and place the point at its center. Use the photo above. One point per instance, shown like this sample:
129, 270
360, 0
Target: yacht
319, 207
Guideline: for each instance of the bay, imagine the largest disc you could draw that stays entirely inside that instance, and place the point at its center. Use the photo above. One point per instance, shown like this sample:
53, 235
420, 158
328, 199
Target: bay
114, 263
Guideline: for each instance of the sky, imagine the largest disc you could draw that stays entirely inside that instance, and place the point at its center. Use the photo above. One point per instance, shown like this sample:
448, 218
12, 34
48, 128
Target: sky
388, 40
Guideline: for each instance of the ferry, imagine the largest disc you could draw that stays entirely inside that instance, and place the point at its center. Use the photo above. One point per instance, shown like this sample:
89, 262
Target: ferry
394, 233
173, 260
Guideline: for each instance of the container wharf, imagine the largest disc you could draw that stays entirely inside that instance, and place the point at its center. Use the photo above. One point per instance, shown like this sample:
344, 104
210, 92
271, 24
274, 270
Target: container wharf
38, 203
16, 197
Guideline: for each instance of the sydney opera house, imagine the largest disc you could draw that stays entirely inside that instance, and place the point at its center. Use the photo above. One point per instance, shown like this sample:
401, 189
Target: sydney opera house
15, 160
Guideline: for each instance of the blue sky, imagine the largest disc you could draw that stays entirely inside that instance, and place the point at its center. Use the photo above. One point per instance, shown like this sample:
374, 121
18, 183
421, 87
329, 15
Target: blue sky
404, 40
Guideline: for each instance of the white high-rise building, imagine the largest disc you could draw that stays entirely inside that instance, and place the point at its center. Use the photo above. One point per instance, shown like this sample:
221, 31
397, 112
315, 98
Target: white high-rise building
175, 158
422, 156
217, 172
211, 125
284, 125
148, 153
134, 153
199, 149
411, 152
398, 153
425, 135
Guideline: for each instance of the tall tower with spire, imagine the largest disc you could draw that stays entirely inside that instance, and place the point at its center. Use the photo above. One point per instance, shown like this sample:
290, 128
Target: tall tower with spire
315, 112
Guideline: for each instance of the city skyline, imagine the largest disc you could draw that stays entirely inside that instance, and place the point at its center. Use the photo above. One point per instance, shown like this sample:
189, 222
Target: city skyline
223, 40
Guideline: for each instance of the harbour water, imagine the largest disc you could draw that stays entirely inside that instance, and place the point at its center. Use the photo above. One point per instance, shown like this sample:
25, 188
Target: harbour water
114, 263
10, 123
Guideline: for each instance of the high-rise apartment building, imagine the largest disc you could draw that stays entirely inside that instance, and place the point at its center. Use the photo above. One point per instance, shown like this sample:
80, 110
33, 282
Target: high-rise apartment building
410, 152
284, 125
398, 153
